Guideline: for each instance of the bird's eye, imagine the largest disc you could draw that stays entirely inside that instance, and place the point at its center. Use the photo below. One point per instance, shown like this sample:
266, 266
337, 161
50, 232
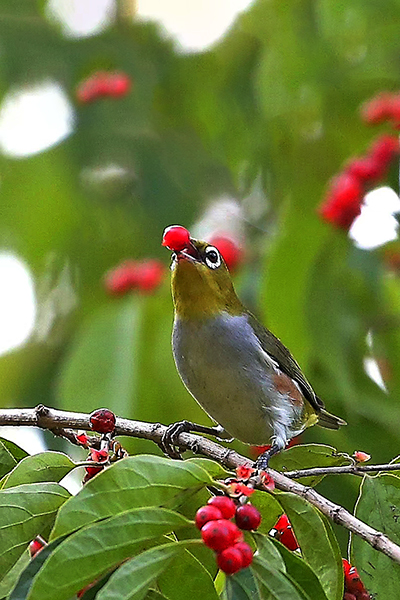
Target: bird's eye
212, 257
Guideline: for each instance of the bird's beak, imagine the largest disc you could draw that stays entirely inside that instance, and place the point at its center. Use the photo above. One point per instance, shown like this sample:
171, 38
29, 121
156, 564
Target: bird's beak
189, 253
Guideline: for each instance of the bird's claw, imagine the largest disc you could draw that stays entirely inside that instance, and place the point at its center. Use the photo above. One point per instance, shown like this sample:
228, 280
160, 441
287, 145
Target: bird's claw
169, 443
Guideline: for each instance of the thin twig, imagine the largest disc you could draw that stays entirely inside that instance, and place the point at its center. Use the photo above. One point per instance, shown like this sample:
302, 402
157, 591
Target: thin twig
352, 469
51, 419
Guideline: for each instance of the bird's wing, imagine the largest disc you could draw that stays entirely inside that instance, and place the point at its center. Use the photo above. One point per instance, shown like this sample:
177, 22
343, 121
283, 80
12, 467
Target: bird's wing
283, 357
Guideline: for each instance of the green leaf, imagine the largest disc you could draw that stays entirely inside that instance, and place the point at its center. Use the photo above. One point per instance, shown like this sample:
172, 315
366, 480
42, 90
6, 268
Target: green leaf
306, 456
153, 595
45, 466
301, 573
7, 460
25, 511
186, 578
379, 506
93, 550
33, 567
134, 578
274, 584
270, 509
10, 580
317, 542
242, 586
135, 481
17, 452
268, 553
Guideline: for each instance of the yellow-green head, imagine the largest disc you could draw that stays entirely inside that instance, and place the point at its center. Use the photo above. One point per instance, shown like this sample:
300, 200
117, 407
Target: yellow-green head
201, 283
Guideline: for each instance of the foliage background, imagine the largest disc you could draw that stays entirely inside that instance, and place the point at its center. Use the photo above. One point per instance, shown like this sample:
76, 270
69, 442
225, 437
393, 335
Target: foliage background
266, 116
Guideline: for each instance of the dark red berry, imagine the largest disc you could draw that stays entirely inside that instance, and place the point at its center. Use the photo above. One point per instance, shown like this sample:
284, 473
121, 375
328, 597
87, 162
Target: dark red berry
225, 505
247, 517
246, 552
230, 560
176, 237
91, 472
207, 513
102, 420
36, 546
348, 596
218, 535
231, 252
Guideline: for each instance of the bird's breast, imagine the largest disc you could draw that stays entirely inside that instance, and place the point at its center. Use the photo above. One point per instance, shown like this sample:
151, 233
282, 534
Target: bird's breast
223, 366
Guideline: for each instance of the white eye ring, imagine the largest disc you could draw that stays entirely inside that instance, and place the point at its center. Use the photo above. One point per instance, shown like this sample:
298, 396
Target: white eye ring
212, 257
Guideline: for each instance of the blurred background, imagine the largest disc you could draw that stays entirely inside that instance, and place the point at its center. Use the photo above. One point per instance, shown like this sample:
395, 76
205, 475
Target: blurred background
119, 118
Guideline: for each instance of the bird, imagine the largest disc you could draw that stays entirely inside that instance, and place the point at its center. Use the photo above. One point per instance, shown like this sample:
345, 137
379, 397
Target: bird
237, 370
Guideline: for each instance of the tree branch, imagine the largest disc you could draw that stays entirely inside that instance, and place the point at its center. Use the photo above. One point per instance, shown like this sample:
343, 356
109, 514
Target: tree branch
355, 469
56, 420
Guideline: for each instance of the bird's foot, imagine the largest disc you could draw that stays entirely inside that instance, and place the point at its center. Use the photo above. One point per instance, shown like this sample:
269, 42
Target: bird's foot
262, 461
169, 443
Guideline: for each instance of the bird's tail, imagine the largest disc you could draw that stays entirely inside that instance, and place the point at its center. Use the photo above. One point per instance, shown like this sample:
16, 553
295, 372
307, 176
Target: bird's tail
329, 421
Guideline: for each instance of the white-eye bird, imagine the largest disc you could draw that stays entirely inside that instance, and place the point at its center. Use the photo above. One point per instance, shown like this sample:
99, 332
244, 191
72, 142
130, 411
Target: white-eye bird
239, 372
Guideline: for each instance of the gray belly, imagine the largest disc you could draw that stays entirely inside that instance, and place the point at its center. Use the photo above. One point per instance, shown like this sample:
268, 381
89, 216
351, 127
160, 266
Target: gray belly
222, 365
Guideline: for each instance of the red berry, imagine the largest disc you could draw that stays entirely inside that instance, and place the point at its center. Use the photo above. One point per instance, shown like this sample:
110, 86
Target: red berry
348, 596
230, 560
145, 275
102, 420
36, 546
231, 253
247, 517
384, 149
365, 168
346, 565
176, 237
343, 201
119, 84
246, 552
225, 505
207, 513
378, 109
218, 535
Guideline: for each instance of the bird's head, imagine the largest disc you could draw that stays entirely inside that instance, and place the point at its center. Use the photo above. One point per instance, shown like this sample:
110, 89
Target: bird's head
201, 283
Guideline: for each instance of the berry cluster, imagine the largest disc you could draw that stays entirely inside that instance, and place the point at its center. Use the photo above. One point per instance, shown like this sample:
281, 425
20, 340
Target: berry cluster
342, 203
144, 276
353, 586
284, 533
103, 84
223, 535
383, 107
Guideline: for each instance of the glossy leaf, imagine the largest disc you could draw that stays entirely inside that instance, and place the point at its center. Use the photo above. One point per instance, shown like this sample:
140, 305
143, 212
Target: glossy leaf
7, 460
133, 579
17, 452
25, 512
45, 466
135, 481
199, 583
93, 550
379, 506
274, 584
301, 573
318, 545
306, 456
242, 586
8, 583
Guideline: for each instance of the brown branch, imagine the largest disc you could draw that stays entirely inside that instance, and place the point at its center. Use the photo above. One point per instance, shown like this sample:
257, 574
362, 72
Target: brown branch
55, 420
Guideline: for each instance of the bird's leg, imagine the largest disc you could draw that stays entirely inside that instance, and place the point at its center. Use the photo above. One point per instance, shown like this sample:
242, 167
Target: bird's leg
263, 460
169, 441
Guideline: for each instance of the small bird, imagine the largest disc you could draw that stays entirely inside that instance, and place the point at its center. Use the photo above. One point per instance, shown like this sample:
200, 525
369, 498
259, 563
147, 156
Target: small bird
239, 372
